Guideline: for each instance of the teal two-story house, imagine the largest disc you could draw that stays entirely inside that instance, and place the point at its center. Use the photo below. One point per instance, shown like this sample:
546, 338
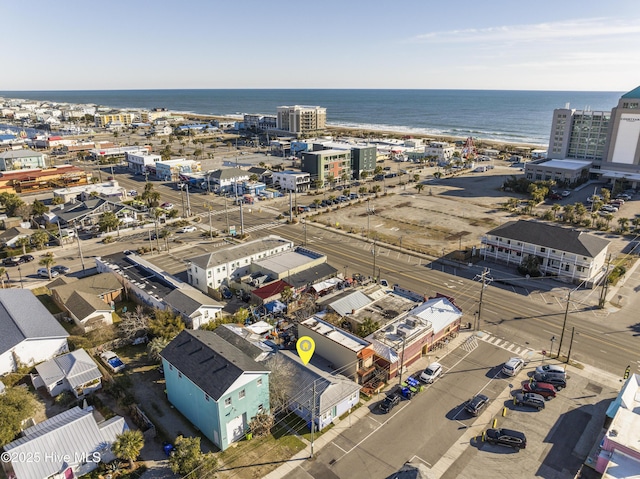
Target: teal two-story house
214, 385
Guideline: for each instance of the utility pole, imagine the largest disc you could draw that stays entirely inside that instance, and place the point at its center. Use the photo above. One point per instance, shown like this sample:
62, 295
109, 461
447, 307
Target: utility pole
605, 285
374, 260
564, 323
226, 212
483, 279
401, 366
573, 330
79, 248
313, 416
241, 220
188, 203
290, 208
304, 225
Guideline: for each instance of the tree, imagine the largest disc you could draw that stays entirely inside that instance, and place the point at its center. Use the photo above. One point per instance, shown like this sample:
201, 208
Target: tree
108, 221
555, 208
3, 274
38, 208
128, 445
133, 324
155, 347
16, 405
261, 424
567, 213
419, 187
11, 203
317, 203
624, 224
364, 175
416, 178
606, 195
376, 189
241, 315
367, 326
150, 195
57, 200
608, 217
286, 295
165, 324
197, 152
24, 211
362, 190
187, 457
281, 382
47, 261
40, 238
23, 242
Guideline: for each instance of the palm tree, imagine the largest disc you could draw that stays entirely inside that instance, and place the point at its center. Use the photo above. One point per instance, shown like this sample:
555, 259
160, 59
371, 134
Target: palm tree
367, 327
3, 273
128, 445
376, 189
155, 347
636, 223
624, 224
567, 214
419, 187
608, 217
47, 261
555, 208
416, 177
362, 190
317, 202
23, 243
286, 295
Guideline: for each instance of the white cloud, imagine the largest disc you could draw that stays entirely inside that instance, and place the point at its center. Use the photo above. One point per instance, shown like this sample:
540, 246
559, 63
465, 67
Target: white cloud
570, 29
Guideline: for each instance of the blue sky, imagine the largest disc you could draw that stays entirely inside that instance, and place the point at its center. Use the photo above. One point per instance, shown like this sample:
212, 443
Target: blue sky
495, 44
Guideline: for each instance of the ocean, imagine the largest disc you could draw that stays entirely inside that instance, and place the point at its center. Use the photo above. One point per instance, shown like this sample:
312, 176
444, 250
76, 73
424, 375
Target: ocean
501, 115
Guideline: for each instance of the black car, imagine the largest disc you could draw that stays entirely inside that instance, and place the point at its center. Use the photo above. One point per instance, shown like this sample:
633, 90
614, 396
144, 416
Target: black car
12, 261
378, 177
27, 258
530, 400
389, 402
476, 404
556, 380
506, 437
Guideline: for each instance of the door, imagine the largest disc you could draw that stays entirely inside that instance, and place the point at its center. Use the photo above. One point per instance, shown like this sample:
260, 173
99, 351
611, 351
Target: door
235, 428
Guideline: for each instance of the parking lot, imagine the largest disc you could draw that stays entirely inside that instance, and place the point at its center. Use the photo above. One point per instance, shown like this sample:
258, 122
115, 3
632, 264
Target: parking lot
434, 429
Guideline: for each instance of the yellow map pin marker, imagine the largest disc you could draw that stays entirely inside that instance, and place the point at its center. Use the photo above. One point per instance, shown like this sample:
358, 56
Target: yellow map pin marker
305, 346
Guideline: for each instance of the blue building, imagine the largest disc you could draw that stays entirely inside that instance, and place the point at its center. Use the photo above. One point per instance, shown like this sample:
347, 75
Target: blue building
215, 385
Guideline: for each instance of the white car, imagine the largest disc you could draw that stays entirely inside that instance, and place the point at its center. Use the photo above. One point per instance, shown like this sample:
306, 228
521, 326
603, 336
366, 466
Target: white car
433, 372
167, 206
550, 369
513, 367
566, 193
44, 273
187, 229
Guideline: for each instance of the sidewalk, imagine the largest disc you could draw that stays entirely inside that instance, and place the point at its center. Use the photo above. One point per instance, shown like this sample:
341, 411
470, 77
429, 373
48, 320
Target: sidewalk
362, 411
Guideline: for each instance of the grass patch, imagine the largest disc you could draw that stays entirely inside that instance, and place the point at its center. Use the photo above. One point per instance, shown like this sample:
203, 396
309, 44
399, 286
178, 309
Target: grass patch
300, 427
43, 295
259, 456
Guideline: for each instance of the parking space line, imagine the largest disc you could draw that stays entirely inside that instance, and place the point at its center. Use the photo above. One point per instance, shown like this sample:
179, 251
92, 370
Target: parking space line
420, 459
343, 450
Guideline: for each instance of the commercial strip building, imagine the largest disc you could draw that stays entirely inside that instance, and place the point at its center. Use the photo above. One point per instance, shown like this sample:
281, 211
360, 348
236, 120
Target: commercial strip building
37, 180
565, 173
568, 254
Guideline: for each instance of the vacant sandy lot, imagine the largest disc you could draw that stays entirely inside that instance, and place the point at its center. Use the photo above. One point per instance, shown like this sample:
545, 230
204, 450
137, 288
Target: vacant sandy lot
446, 215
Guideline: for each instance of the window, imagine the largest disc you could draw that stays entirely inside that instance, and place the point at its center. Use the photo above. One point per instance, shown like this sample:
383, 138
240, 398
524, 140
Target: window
170, 367
227, 402
542, 250
259, 382
260, 409
241, 394
206, 397
59, 383
179, 374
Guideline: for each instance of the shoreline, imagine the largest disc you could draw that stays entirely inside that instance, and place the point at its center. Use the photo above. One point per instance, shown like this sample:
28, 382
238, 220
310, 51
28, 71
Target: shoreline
399, 134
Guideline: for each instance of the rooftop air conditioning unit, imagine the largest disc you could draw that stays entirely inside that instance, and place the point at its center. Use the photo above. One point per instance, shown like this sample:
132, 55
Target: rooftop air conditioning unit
401, 332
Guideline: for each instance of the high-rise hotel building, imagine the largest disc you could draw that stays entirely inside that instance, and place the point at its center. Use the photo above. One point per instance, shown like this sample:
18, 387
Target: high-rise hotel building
609, 140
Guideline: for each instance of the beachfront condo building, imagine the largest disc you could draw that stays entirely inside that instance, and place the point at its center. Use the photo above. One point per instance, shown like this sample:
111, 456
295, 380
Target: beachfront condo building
327, 166
610, 140
301, 120
113, 118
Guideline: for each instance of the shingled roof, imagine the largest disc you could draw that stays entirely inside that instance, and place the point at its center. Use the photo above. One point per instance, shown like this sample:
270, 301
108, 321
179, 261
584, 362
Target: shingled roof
209, 361
551, 236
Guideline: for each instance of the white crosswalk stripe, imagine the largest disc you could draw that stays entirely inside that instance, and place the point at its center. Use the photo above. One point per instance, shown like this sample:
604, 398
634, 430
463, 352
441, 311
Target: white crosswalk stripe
507, 345
470, 344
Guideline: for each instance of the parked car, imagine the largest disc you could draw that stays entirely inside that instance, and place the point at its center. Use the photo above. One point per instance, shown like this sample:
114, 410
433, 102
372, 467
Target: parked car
187, 229
623, 196
545, 390
513, 366
507, 437
551, 368
609, 209
558, 381
12, 261
44, 273
555, 196
27, 258
529, 400
476, 404
566, 193
133, 193
167, 206
433, 372
389, 402
60, 269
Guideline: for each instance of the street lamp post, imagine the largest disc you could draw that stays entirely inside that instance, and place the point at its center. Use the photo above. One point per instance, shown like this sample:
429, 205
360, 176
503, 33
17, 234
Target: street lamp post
553, 340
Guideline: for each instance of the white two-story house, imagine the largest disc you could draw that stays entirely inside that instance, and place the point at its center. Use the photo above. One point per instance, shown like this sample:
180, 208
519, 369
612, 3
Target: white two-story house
214, 269
569, 254
292, 180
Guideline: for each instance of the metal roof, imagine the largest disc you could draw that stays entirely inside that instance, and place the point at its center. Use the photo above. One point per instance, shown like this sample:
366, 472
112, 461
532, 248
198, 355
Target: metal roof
351, 302
77, 367
240, 251
22, 317
67, 435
